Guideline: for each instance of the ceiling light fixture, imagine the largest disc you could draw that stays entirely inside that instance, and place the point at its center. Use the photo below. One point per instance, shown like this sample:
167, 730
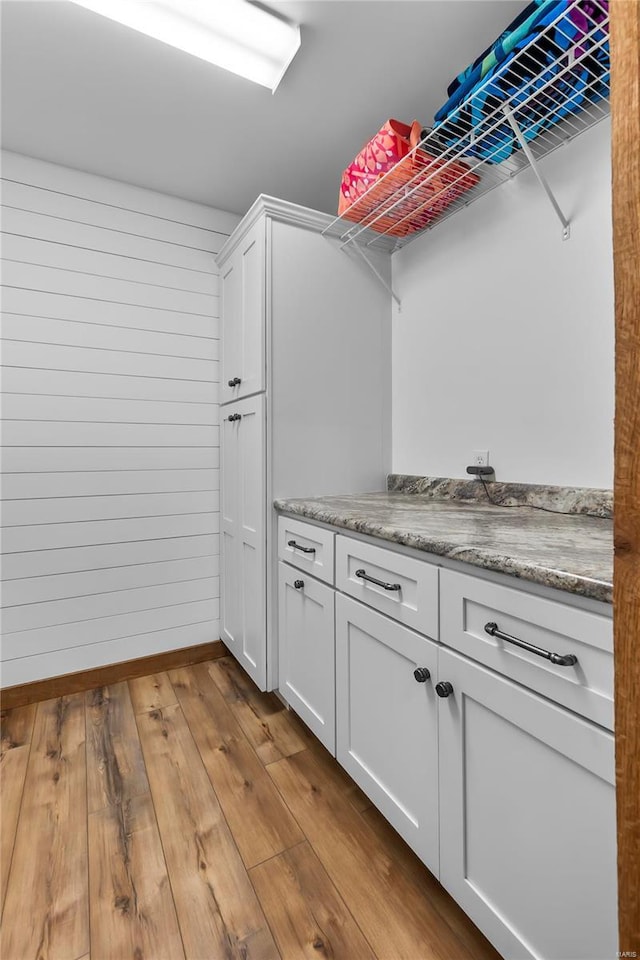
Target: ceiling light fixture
233, 34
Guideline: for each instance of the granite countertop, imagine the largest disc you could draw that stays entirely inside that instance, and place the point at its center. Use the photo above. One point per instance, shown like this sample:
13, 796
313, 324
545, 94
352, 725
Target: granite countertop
568, 551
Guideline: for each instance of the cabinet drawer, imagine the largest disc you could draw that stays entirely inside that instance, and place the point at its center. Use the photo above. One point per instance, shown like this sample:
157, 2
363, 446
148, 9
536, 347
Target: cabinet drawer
414, 599
468, 604
306, 547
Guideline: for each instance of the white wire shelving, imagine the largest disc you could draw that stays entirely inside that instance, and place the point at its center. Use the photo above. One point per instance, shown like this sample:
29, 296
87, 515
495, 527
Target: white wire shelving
459, 161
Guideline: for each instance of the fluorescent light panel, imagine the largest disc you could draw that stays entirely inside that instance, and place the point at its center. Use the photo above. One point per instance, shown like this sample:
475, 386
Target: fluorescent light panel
232, 34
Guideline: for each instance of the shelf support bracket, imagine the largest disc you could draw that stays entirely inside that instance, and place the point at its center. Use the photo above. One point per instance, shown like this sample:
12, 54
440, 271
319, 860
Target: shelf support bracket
566, 229
374, 269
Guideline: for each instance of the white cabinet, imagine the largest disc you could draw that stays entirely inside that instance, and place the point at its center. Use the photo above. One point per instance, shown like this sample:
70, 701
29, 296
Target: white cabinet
507, 796
243, 317
243, 533
307, 329
307, 650
386, 720
527, 818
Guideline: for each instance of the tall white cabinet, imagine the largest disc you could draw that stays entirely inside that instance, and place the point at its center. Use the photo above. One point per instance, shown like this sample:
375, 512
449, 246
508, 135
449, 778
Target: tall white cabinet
305, 400
243, 530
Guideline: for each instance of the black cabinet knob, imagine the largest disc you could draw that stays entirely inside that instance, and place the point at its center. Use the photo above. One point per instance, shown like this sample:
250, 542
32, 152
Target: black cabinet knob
298, 584
444, 688
235, 382
422, 674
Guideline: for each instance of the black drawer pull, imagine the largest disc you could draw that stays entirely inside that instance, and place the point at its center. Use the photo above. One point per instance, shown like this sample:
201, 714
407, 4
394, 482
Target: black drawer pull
298, 584
560, 659
235, 382
380, 583
297, 546
234, 416
422, 674
444, 688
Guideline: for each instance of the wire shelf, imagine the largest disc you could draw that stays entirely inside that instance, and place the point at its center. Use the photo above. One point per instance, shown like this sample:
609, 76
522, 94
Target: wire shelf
490, 137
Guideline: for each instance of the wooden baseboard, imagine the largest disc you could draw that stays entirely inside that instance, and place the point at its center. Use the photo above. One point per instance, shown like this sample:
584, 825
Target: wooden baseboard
70, 683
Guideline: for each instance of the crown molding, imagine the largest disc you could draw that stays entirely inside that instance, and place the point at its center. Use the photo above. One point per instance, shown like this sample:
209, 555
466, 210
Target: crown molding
275, 209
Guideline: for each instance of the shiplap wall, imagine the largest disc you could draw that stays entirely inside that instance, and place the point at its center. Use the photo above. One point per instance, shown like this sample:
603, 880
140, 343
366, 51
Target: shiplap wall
110, 449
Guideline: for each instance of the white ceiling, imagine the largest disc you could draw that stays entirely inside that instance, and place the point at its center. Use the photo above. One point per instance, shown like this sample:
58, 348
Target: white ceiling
81, 90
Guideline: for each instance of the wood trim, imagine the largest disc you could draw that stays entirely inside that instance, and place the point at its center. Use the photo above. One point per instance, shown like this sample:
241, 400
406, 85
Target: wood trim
625, 108
69, 683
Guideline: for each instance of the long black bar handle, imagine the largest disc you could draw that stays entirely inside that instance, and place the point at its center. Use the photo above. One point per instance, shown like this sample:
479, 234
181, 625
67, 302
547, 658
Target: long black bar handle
380, 583
560, 659
235, 382
298, 546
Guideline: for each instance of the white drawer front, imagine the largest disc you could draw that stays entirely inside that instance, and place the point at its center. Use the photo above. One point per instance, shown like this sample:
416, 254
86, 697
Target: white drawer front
306, 547
468, 604
415, 603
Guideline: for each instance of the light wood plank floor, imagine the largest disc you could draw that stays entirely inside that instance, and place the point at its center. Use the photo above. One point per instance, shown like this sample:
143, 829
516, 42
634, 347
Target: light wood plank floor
187, 815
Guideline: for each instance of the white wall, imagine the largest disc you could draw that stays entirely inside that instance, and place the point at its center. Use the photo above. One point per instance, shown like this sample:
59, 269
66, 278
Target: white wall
110, 450
505, 338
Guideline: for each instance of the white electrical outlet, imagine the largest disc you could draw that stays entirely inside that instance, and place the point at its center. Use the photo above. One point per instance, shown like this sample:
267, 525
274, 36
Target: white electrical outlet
480, 458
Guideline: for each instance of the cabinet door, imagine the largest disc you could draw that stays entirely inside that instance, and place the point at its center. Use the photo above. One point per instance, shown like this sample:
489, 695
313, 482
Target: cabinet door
307, 650
527, 818
230, 581
386, 721
244, 535
231, 308
243, 317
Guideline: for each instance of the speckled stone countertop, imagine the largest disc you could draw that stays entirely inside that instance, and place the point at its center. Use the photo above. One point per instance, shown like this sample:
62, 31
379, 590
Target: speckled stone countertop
567, 551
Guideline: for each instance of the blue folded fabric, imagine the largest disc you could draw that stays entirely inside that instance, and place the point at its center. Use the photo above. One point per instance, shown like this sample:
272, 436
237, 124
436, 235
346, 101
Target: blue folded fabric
535, 16
565, 65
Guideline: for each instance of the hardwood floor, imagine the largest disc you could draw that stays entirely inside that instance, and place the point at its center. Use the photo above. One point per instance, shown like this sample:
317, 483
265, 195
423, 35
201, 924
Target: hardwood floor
187, 816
